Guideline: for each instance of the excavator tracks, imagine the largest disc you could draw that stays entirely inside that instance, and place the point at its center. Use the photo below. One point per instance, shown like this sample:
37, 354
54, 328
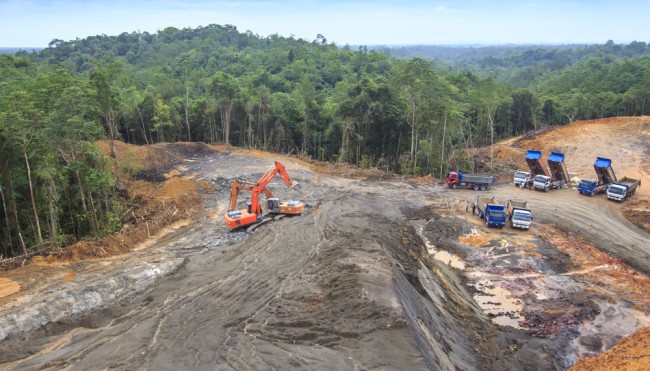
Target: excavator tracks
267, 219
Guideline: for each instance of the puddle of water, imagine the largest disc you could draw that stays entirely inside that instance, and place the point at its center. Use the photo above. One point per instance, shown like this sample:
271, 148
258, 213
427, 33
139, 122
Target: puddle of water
449, 259
442, 256
498, 303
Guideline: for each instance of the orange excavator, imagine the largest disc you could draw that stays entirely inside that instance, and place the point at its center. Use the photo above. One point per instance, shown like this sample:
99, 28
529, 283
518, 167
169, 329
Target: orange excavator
253, 213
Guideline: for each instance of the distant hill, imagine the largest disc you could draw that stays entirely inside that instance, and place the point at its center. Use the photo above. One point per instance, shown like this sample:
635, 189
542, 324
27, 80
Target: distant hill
14, 50
522, 66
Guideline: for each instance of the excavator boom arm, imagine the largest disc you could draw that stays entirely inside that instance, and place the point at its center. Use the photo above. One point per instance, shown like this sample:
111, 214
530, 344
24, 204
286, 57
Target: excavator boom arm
274, 170
242, 185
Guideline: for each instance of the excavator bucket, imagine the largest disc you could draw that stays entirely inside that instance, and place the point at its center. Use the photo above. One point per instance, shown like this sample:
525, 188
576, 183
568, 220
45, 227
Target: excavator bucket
297, 186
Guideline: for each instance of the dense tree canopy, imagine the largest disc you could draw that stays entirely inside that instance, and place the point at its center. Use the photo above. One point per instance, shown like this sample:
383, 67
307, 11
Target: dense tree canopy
216, 84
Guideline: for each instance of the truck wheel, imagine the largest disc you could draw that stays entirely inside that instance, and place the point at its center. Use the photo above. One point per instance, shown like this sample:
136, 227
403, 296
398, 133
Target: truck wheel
546, 189
454, 185
483, 187
475, 187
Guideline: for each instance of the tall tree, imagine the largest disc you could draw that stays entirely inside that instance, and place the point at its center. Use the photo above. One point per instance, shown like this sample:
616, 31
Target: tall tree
106, 96
416, 84
224, 87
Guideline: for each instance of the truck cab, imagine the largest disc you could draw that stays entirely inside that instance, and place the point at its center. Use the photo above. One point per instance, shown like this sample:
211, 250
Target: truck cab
453, 178
521, 178
519, 214
623, 188
590, 187
542, 182
495, 216
616, 192
521, 219
492, 211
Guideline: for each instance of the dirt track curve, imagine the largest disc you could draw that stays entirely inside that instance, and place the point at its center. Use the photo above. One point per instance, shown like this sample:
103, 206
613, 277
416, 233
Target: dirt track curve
355, 283
596, 219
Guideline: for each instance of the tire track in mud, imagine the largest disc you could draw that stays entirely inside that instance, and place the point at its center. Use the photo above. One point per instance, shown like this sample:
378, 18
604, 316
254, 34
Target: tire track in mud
314, 291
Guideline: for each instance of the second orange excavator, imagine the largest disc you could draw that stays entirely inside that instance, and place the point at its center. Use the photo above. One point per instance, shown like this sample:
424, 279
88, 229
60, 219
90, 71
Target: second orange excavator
253, 213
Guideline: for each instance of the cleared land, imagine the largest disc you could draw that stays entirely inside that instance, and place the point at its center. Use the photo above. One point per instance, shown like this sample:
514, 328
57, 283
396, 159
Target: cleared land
380, 272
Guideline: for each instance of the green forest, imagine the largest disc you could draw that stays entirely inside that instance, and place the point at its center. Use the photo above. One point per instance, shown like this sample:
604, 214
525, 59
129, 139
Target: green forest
410, 110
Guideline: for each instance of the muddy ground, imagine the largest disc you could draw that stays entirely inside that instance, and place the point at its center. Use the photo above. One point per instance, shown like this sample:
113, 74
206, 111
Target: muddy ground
379, 273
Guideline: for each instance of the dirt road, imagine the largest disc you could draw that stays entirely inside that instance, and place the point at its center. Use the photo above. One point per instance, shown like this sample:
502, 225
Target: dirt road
364, 280
596, 219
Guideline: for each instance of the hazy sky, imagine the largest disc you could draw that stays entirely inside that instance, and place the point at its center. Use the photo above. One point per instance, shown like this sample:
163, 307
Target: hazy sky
33, 23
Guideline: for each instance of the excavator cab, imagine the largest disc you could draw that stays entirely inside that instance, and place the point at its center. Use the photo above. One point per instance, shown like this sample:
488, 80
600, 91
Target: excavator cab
293, 207
273, 205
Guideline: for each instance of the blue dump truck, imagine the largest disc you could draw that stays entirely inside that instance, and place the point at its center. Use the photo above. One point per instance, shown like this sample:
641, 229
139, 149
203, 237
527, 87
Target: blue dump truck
492, 211
533, 160
457, 179
558, 175
623, 188
605, 176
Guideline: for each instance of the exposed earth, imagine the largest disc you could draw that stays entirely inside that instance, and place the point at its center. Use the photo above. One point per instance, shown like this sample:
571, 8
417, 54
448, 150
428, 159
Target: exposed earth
380, 272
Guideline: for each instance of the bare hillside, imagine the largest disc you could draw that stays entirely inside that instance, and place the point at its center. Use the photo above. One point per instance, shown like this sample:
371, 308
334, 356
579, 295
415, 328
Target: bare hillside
624, 140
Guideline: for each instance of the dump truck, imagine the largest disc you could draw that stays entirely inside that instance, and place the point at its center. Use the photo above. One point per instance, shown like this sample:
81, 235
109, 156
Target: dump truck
605, 176
558, 175
534, 160
535, 164
521, 178
622, 189
457, 179
492, 211
519, 214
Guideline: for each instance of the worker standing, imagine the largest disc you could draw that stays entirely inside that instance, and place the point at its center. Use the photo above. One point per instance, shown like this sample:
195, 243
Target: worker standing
473, 208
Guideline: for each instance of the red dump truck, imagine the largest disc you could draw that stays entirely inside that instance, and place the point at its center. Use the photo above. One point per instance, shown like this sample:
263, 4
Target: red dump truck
457, 179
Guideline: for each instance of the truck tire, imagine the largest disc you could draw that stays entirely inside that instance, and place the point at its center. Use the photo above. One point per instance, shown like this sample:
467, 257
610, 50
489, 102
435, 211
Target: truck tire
592, 193
483, 187
454, 185
546, 189
475, 187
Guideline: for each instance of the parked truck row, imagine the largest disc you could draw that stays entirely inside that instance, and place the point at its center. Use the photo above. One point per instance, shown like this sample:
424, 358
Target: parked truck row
557, 177
496, 213
543, 178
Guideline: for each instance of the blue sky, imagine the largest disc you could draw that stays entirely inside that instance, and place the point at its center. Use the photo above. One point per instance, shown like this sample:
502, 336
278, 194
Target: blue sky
32, 23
